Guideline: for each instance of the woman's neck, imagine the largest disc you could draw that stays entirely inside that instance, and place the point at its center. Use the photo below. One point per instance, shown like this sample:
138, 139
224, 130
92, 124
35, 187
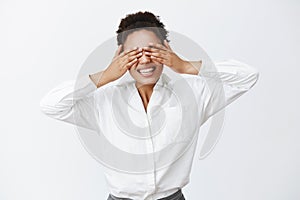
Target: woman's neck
145, 92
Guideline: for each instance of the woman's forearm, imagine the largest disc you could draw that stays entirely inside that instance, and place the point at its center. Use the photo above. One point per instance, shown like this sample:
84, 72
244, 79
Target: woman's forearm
99, 78
192, 67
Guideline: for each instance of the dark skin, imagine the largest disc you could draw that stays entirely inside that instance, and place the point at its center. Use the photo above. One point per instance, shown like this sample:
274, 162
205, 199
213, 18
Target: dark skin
165, 55
158, 53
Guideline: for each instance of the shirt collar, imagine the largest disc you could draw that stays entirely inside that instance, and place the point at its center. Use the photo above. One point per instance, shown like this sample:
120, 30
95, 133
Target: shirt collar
163, 79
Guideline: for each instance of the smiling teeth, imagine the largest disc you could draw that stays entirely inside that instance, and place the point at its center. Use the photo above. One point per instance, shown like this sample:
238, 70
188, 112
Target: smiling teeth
146, 70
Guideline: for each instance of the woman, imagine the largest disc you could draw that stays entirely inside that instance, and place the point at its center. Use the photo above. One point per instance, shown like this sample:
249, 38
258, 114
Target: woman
153, 118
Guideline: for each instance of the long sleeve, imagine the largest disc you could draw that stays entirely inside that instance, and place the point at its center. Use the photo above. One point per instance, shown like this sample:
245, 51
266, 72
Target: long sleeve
225, 81
73, 102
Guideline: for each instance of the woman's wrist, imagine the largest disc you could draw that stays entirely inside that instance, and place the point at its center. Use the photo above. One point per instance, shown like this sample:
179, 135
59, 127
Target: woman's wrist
99, 78
192, 67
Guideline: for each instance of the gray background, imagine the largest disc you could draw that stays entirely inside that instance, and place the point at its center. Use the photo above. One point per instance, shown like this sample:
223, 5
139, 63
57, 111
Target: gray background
45, 42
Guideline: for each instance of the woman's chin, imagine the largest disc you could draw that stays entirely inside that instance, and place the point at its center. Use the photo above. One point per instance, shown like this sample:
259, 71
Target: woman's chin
146, 81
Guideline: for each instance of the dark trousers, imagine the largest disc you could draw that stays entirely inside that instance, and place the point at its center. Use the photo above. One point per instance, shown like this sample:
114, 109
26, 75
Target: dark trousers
175, 196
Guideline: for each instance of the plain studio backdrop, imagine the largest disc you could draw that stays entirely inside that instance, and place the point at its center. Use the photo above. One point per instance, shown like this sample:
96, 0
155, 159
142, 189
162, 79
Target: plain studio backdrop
44, 43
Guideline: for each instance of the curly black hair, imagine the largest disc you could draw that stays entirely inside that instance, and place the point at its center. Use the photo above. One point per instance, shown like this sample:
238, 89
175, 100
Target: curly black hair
141, 20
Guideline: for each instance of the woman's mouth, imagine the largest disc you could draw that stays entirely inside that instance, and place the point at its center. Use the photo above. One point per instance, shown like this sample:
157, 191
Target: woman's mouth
147, 72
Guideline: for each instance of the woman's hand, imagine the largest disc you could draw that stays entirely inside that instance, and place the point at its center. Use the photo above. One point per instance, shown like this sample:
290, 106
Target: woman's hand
165, 55
122, 62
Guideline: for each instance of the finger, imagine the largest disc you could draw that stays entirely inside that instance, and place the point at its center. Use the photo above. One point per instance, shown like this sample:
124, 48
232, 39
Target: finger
157, 45
130, 56
153, 49
133, 65
129, 65
156, 62
158, 59
128, 51
135, 52
127, 59
156, 54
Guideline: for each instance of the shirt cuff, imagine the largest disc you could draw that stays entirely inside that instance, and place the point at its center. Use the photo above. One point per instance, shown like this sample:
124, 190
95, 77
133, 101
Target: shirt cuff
204, 68
84, 85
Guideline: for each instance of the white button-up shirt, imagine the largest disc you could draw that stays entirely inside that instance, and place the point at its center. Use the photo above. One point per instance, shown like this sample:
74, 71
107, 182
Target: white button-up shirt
148, 155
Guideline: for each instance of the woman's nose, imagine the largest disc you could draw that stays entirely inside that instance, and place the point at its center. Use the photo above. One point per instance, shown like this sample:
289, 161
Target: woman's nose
144, 58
